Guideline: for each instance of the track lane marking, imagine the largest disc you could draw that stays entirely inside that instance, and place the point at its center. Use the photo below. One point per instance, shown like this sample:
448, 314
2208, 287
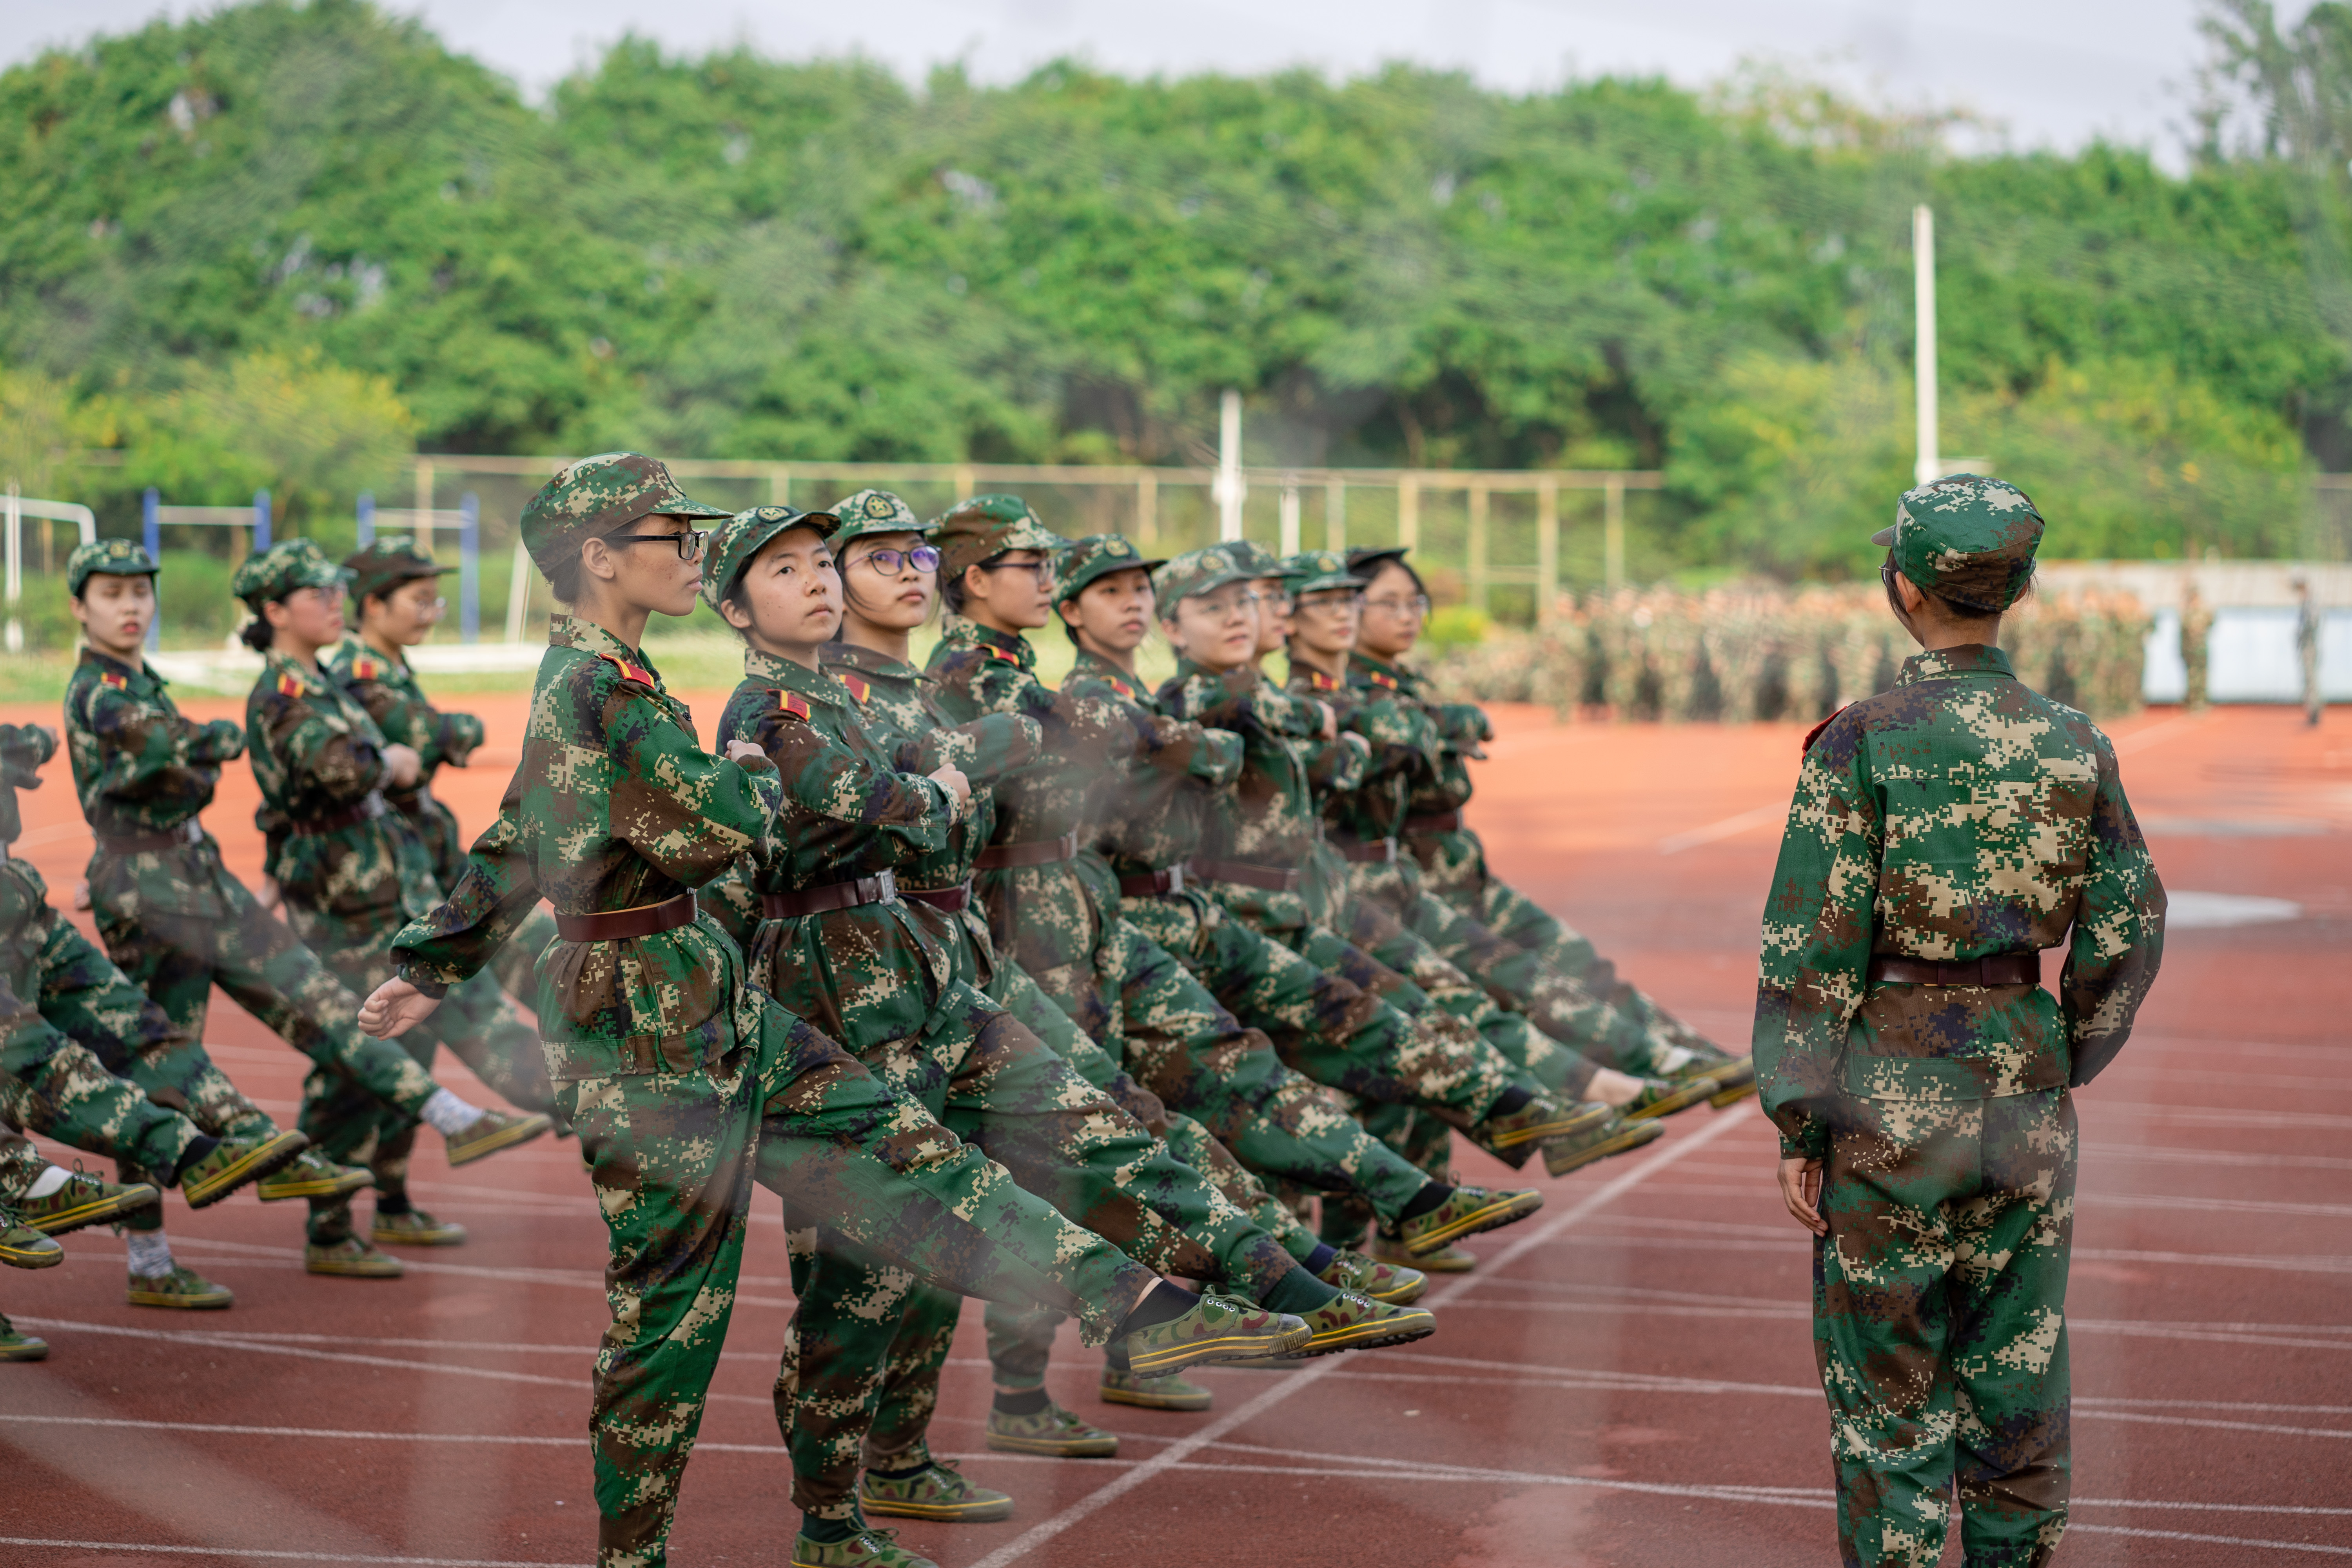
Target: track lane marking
119, 1547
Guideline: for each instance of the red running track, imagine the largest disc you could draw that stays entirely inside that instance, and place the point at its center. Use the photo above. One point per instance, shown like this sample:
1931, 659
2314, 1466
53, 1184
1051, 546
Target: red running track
1626, 1379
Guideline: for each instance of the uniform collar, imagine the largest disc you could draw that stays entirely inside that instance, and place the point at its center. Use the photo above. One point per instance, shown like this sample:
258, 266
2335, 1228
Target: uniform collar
1969, 658
568, 631
123, 674
786, 676
1249, 675
356, 647
1005, 645
1363, 669
866, 662
1093, 666
276, 663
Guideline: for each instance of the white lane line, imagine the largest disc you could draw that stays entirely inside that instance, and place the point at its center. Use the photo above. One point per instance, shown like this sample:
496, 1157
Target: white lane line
2144, 1535
1176, 1453
2221, 1116
2177, 1155
116, 1548
1730, 826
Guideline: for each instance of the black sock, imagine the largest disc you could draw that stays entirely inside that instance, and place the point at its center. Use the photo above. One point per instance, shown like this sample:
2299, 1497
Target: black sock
1513, 1100
1298, 1292
1163, 1303
393, 1202
911, 1470
1027, 1402
828, 1531
204, 1144
1319, 1259
1428, 1198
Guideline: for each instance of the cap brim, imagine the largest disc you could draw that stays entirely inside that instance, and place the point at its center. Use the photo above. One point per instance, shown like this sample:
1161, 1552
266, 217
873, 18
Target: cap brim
682, 507
1364, 563
1883, 536
1322, 582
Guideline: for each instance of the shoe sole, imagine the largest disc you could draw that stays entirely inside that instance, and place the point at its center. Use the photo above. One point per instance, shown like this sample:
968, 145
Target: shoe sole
272, 1155
96, 1211
455, 1237
216, 1301
47, 1257
1494, 1217
1636, 1135
522, 1132
1580, 1121
1683, 1099
1371, 1335
1091, 1450
1157, 1401
1733, 1096
1461, 1263
1402, 1295
952, 1513
1153, 1363
271, 1192
32, 1350
351, 1271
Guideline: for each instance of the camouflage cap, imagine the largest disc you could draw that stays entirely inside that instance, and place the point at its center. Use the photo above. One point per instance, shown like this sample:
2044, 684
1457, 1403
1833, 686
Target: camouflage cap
386, 564
745, 534
602, 494
1968, 538
1199, 572
874, 512
108, 557
1366, 560
1313, 571
1255, 559
1093, 558
970, 531
288, 564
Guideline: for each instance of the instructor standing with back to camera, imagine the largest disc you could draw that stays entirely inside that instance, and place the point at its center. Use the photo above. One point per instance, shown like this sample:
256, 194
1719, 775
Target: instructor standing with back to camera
1943, 833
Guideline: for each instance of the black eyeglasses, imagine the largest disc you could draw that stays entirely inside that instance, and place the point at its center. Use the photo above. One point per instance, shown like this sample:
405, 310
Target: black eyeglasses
689, 542
922, 558
1042, 570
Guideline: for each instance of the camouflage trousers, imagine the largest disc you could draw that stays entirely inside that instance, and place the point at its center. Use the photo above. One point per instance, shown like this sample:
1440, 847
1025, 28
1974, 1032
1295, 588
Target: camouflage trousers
1420, 1139
476, 1020
53, 1085
177, 958
1939, 1300
994, 1084
21, 1164
1454, 870
672, 1154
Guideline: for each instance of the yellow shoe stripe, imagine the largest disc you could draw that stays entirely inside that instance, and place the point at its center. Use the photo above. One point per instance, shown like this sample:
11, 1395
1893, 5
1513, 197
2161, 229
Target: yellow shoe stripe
1420, 1245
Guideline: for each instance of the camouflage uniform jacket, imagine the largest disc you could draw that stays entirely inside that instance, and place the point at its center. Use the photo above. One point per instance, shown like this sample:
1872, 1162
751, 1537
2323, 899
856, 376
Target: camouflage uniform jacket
24, 894
868, 974
1460, 728
1060, 905
1147, 815
897, 708
386, 687
1403, 748
141, 769
1957, 815
616, 805
334, 846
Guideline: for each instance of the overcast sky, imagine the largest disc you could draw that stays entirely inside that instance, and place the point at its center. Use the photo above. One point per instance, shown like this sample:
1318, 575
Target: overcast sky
2053, 72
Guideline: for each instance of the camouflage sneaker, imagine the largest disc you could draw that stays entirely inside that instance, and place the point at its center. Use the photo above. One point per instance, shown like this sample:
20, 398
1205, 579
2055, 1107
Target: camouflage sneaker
1216, 1328
1394, 1283
15, 1346
22, 1247
350, 1258
1121, 1387
1466, 1210
1352, 1323
1664, 1096
311, 1175
1538, 1118
416, 1228
1623, 1137
1735, 1079
1684, 1054
1052, 1430
869, 1548
84, 1200
236, 1163
497, 1129
183, 1288
938, 1491
1444, 1260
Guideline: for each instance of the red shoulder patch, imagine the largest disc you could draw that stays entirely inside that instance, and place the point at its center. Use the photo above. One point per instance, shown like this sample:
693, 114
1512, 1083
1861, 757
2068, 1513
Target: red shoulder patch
1381, 678
629, 671
1006, 654
289, 686
1815, 733
794, 703
1319, 681
119, 683
365, 667
1121, 687
859, 687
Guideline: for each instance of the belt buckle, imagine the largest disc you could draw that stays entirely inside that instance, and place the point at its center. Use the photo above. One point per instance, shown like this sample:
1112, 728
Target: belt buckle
886, 887
1175, 874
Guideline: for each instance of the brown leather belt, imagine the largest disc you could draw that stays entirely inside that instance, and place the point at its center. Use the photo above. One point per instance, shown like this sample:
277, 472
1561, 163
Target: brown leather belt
947, 900
1273, 878
1365, 851
849, 895
1153, 884
1036, 852
184, 836
369, 808
620, 925
2000, 969
1432, 821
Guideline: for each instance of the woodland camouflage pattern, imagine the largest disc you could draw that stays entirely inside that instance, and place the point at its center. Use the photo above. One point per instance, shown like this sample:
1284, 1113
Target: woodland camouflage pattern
1958, 816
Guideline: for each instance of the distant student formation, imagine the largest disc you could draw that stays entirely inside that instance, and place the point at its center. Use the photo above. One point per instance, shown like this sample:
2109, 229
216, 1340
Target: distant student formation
1051, 998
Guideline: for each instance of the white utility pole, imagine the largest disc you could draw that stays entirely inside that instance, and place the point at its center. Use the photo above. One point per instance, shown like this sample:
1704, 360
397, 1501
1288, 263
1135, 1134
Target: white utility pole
1923, 284
1229, 489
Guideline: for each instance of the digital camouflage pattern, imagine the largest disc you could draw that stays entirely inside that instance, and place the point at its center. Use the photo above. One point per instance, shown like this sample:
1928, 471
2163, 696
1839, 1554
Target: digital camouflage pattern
599, 495
735, 542
385, 686
1083, 561
1319, 571
1958, 816
974, 530
381, 566
285, 566
1198, 572
112, 557
872, 511
1970, 539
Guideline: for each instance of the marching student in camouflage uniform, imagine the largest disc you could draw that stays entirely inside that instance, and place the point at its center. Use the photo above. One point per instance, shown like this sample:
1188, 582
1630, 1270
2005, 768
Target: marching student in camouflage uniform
353, 872
172, 915
22, 1247
1942, 834
839, 947
684, 1080
396, 587
1452, 861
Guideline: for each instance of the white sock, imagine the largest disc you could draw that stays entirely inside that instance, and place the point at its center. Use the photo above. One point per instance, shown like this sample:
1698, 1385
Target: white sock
48, 1182
446, 1113
151, 1253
